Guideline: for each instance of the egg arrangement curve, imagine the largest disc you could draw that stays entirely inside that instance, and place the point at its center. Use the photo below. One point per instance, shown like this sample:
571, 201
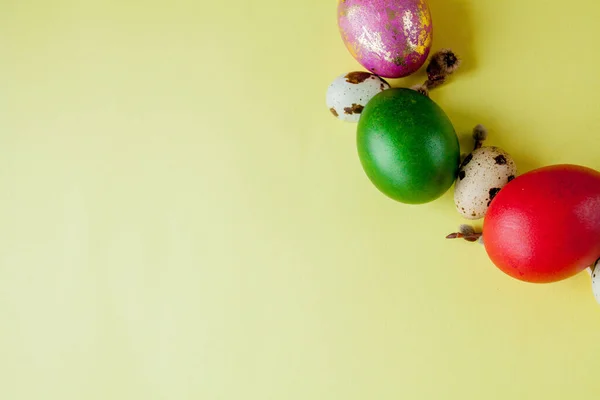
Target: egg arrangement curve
410, 152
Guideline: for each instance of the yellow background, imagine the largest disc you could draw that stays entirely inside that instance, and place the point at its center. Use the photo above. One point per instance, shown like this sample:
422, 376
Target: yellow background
182, 218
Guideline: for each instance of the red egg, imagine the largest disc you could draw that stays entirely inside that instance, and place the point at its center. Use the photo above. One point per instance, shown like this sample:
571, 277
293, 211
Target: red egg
544, 226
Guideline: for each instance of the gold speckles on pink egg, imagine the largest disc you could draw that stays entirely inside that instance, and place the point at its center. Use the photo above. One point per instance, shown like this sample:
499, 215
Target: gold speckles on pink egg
390, 38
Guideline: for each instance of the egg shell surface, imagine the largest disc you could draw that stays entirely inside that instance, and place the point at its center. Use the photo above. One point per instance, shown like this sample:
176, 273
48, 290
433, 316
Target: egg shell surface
544, 226
407, 146
391, 38
348, 94
481, 176
596, 281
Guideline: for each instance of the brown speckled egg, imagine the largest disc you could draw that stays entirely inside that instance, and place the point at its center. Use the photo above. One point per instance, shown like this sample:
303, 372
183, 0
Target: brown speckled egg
348, 94
596, 280
481, 176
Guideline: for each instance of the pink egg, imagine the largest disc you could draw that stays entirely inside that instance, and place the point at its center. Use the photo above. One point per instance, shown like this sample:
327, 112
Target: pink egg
390, 38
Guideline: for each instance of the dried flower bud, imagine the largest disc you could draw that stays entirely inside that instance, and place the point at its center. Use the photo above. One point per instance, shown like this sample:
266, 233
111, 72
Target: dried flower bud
466, 232
442, 64
480, 135
423, 89
466, 229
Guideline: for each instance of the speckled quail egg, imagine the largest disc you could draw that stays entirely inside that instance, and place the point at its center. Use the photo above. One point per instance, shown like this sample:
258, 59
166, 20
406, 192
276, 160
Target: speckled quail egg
481, 176
596, 280
348, 94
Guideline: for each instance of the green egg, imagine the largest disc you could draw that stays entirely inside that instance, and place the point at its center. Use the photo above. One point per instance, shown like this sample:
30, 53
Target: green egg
407, 146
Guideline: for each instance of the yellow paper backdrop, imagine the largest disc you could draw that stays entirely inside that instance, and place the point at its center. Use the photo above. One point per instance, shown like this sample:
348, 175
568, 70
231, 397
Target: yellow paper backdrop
181, 218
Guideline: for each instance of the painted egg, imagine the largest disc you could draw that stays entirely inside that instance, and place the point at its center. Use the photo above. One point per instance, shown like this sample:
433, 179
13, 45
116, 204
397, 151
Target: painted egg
481, 176
348, 94
596, 281
391, 38
544, 226
407, 146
